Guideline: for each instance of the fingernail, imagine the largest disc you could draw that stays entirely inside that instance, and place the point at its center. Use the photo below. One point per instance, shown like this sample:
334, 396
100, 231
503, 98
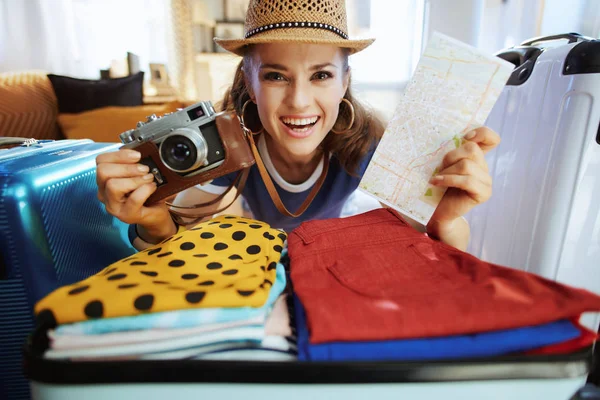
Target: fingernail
437, 178
143, 168
470, 135
134, 155
148, 177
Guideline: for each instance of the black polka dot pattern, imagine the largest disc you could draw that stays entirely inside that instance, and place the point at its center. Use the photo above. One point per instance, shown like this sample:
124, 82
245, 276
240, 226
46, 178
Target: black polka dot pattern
144, 302
194, 297
187, 246
46, 318
267, 235
214, 265
127, 285
220, 246
254, 249
94, 309
154, 251
78, 290
117, 277
230, 272
176, 263
231, 257
238, 236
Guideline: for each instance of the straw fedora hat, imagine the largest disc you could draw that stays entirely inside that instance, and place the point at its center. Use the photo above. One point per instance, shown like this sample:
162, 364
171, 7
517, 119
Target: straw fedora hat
295, 21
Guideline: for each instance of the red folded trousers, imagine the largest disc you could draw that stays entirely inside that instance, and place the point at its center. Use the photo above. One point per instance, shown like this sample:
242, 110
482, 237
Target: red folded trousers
374, 277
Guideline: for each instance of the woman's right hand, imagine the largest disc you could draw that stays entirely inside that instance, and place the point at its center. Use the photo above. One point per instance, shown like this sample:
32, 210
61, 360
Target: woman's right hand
124, 185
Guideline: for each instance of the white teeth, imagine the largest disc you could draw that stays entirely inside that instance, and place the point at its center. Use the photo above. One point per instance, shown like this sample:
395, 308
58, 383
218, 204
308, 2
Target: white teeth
299, 121
301, 130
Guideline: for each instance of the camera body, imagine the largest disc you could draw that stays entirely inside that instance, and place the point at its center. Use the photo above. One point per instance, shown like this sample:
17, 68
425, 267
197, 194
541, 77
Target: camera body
188, 141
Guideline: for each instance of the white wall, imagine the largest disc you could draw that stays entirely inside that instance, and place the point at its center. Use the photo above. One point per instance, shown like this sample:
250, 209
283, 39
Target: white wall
508, 23
80, 37
460, 19
561, 16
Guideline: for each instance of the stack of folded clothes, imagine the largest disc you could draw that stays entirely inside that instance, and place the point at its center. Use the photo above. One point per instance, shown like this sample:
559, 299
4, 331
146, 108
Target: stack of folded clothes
214, 291
370, 287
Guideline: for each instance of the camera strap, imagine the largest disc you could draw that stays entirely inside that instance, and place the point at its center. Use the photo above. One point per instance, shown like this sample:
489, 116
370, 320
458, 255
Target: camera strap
271, 187
240, 182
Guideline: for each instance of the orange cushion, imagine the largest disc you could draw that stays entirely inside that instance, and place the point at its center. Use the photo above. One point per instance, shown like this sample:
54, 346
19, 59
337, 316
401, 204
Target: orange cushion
107, 123
28, 107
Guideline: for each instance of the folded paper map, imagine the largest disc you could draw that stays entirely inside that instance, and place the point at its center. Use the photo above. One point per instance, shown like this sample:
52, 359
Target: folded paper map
452, 91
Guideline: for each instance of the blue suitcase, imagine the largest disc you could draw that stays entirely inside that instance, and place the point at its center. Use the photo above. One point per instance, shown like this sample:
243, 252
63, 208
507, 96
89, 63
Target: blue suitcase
53, 232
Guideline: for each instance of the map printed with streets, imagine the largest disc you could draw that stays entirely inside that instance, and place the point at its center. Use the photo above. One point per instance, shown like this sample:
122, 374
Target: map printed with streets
452, 91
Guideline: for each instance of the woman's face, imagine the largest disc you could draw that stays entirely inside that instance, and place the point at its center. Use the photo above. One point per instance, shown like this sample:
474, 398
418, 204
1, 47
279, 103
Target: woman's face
297, 89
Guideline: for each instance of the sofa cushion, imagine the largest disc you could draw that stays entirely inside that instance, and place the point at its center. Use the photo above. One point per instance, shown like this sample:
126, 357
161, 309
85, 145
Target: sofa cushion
77, 95
28, 106
105, 124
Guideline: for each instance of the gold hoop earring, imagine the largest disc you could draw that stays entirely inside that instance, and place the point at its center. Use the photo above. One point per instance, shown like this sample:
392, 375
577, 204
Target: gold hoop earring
351, 118
242, 120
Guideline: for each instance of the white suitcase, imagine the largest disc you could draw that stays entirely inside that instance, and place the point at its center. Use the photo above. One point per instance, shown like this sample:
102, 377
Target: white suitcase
544, 214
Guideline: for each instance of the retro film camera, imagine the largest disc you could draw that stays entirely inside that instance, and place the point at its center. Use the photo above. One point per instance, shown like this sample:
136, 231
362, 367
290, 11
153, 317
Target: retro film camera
190, 146
188, 140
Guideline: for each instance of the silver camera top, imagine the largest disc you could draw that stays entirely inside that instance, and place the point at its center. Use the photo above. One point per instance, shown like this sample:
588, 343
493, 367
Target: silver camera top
154, 127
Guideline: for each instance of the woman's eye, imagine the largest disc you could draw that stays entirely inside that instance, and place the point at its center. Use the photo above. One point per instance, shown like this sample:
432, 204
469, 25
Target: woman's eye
322, 75
274, 76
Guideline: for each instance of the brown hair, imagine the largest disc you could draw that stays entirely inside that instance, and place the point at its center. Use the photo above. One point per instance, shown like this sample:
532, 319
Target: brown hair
349, 147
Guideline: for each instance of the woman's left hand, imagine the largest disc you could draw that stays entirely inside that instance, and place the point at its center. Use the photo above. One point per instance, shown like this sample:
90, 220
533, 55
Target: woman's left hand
464, 172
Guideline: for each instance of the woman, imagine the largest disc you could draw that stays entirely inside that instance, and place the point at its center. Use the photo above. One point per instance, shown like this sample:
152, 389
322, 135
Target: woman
293, 89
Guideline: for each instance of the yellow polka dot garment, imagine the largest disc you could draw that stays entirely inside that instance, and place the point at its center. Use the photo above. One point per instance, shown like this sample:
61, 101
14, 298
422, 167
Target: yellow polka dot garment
228, 261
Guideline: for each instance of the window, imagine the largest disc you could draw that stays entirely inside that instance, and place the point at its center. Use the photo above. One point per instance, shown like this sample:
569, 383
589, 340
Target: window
80, 37
380, 72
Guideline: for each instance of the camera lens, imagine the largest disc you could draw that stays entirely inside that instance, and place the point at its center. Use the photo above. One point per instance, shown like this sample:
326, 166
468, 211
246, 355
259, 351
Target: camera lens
184, 151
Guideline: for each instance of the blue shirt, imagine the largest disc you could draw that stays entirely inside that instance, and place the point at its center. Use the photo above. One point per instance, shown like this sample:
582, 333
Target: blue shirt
328, 203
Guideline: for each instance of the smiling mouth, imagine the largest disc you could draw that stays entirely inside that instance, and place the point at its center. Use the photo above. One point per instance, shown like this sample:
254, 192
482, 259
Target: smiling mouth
300, 124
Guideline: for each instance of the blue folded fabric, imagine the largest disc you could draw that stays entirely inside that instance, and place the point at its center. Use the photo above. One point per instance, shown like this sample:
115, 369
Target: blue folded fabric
461, 346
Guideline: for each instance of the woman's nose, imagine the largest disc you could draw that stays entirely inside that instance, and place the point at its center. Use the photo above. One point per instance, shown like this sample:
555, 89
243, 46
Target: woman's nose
299, 96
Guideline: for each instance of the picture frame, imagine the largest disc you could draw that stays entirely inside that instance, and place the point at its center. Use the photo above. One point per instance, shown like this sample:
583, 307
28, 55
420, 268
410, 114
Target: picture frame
158, 74
235, 10
228, 30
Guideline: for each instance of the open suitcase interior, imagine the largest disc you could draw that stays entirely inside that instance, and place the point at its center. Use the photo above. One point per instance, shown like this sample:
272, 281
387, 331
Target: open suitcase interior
514, 376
